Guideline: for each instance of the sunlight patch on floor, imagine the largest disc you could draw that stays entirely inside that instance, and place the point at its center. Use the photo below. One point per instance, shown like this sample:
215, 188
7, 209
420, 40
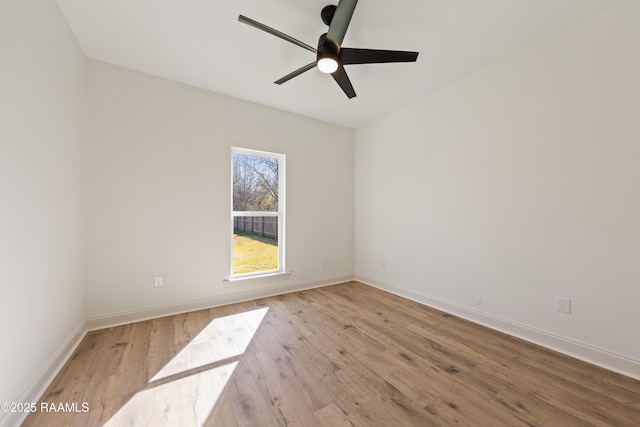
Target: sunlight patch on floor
223, 338
189, 398
187, 401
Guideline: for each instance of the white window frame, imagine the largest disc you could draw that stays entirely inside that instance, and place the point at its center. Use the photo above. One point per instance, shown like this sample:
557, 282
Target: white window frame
280, 214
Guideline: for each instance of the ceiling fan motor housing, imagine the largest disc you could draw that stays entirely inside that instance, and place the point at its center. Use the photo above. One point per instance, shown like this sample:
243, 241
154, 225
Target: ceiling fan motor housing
328, 53
326, 47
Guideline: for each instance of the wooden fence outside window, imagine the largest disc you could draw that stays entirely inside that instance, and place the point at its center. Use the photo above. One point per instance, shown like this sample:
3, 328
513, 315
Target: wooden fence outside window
261, 225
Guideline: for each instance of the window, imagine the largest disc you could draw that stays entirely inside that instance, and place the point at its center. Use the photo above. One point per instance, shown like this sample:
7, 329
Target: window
257, 213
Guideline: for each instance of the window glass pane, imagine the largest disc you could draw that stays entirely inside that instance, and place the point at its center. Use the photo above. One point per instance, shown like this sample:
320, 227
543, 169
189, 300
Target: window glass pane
255, 183
258, 223
255, 244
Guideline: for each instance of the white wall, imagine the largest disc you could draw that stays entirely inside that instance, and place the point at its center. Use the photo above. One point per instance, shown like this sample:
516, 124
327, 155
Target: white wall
42, 88
158, 161
516, 185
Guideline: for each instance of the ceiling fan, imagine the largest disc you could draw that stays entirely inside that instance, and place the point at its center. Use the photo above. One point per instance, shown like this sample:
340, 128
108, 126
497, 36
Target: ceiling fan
330, 55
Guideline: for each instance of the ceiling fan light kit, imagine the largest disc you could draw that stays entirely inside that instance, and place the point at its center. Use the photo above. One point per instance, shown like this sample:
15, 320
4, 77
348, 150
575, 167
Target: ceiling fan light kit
330, 55
327, 64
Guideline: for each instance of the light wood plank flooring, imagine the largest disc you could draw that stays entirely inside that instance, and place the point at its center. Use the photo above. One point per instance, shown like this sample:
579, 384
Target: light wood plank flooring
344, 355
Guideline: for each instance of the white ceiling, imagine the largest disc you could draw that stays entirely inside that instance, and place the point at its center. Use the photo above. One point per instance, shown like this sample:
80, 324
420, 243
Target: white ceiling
201, 43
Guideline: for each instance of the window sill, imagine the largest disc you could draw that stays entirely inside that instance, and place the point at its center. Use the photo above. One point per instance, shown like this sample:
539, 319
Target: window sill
258, 279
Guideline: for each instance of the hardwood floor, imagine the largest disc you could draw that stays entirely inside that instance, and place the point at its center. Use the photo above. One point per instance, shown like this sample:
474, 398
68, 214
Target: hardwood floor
344, 355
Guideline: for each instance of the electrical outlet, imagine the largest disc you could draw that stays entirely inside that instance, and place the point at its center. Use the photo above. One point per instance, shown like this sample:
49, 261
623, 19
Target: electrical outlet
157, 282
563, 305
324, 261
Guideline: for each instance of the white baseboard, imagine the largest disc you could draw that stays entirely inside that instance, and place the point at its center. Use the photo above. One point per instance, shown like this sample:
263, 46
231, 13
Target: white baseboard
244, 293
36, 389
585, 352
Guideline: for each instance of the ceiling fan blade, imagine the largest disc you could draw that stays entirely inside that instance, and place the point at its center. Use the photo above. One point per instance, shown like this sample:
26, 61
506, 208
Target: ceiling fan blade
276, 33
340, 21
296, 73
374, 56
340, 76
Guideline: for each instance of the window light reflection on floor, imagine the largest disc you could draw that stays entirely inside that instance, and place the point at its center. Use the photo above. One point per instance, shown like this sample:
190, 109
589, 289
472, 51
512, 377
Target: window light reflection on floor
189, 398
